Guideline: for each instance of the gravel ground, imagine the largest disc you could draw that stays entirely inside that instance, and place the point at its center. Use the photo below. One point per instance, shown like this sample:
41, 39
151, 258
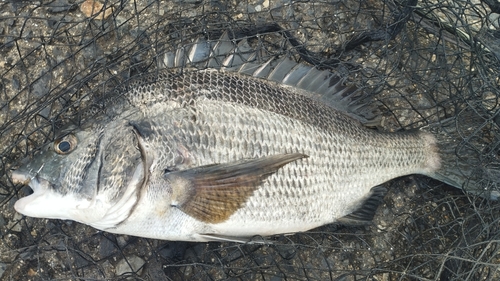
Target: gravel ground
434, 60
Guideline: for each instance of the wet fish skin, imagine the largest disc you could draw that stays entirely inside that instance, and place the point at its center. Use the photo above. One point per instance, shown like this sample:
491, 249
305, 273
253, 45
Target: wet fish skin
128, 175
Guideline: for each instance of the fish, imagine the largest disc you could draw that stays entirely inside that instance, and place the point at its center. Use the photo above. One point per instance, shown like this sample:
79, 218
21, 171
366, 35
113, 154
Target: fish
228, 154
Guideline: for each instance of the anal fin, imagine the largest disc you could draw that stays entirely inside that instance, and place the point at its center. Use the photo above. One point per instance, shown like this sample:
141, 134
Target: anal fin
237, 239
365, 213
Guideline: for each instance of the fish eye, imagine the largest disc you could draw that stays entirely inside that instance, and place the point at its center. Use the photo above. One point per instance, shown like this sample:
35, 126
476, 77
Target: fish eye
65, 144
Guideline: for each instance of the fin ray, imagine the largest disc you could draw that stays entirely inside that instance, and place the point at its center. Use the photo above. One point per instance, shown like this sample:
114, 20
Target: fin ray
461, 163
236, 55
237, 239
364, 214
213, 193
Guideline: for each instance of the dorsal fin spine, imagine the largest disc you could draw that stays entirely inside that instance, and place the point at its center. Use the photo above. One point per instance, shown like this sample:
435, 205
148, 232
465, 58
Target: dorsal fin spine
236, 55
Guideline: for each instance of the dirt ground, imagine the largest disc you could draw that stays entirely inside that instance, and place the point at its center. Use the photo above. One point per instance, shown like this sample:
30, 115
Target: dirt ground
421, 61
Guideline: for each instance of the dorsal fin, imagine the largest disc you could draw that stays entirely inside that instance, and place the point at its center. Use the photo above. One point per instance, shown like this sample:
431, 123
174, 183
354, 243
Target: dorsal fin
236, 55
239, 55
199, 51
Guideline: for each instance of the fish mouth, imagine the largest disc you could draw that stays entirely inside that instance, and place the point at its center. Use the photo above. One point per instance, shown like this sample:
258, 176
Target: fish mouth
47, 202
19, 178
36, 183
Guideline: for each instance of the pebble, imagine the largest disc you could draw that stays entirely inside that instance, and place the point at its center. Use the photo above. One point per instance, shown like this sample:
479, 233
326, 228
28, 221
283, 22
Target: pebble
91, 8
59, 6
173, 250
15, 224
2, 221
31, 272
3, 266
40, 87
494, 19
129, 264
122, 241
107, 247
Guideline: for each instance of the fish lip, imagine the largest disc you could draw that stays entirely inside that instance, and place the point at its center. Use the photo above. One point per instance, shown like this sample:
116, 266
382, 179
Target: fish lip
19, 177
36, 183
34, 204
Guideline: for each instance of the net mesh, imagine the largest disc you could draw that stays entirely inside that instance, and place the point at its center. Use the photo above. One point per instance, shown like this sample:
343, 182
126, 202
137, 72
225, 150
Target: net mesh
421, 61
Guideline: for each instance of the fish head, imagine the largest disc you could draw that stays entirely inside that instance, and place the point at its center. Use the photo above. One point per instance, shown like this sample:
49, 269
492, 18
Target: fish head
54, 176
81, 173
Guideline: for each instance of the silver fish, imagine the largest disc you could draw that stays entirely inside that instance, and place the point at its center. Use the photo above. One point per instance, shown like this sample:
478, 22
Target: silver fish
218, 155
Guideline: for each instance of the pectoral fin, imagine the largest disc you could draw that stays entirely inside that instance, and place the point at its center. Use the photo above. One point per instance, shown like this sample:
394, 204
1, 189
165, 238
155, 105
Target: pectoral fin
213, 193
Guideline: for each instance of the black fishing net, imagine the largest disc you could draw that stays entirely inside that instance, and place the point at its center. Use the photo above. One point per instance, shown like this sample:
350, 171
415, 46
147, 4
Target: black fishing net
421, 62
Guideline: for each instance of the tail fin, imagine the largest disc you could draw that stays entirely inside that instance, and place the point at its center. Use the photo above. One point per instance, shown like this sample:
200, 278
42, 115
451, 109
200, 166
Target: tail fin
469, 149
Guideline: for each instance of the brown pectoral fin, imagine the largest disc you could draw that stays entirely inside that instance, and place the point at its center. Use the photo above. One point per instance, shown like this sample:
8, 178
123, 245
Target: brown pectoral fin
213, 193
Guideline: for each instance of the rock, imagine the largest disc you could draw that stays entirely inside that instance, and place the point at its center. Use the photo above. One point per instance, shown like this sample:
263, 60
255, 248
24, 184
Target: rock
173, 250
15, 223
107, 247
129, 264
95, 9
59, 6
3, 266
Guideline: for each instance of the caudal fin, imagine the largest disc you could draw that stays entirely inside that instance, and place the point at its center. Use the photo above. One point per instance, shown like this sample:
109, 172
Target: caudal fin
469, 148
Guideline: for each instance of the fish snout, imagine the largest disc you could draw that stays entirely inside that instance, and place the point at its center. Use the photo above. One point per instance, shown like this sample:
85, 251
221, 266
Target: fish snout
19, 177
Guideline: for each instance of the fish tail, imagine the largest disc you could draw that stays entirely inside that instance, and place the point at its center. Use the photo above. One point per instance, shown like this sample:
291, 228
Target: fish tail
467, 157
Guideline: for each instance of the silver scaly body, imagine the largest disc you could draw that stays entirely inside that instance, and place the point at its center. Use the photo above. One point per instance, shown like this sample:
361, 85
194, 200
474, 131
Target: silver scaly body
201, 118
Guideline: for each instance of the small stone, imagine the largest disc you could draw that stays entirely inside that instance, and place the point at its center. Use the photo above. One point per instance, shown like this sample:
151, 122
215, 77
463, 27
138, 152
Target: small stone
15, 223
173, 250
122, 241
2, 221
40, 88
129, 264
494, 19
3, 267
31, 272
91, 8
107, 248
59, 6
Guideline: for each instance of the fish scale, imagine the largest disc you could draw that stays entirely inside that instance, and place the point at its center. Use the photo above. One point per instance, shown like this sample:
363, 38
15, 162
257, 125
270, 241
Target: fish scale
314, 185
